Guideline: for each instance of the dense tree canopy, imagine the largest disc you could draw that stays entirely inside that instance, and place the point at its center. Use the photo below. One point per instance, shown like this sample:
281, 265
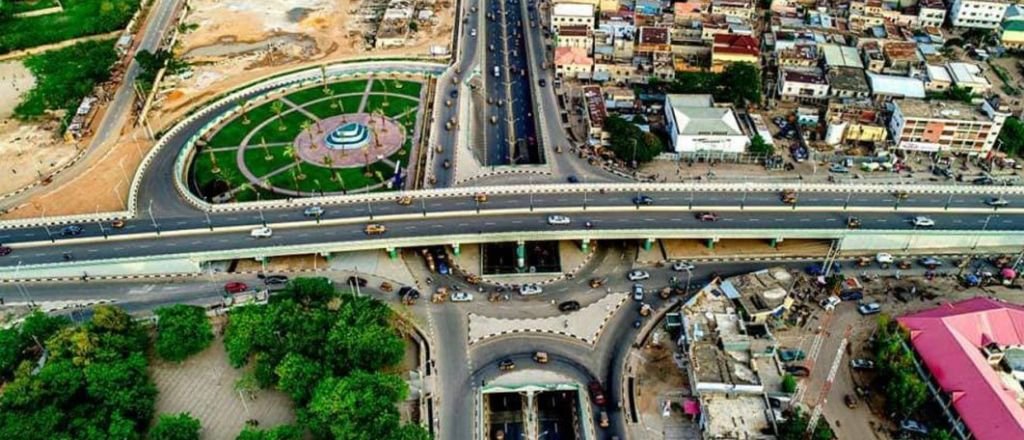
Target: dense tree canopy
905, 392
283, 432
182, 330
1012, 136
65, 76
739, 83
795, 428
175, 427
628, 141
326, 352
26, 340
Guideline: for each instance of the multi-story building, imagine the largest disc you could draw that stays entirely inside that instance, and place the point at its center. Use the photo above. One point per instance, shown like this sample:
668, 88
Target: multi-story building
1012, 35
695, 124
595, 115
576, 36
945, 126
901, 57
735, 8
931, 13
854, 122
572, 14
803, 55
983, 14
729, 49
802, 84
968, 76
938, 78
848, 82
618, 73
573, 62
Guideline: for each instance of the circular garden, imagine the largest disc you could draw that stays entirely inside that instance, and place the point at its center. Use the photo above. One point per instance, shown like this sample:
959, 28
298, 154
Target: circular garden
341, 137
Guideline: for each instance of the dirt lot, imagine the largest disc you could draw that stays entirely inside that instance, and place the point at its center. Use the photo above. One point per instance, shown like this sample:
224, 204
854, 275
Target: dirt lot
204, 385
661, 379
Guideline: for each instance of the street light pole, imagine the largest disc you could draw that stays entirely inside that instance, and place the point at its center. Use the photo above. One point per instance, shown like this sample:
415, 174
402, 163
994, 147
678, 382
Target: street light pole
153, 219
208, 222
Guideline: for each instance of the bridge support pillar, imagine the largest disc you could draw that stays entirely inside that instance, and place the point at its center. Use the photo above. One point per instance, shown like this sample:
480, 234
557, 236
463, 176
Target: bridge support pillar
585, 245
392, 253
774, 243
456, 249
711, 242
521, 254
648, 243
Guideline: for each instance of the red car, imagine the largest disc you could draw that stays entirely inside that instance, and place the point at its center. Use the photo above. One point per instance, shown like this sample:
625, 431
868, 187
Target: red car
4, 250
707, 217
597, 393
235, 287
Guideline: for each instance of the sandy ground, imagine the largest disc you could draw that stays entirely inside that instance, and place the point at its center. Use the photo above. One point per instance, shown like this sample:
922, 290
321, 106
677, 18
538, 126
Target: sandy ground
204, 386
29, 150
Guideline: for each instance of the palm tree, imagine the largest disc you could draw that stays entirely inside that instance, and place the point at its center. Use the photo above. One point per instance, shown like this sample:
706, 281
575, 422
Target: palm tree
290, 152
366, 158
376, 138
305, 127
245, 113
323, 76
213, 161
330, 97
266, 185
277, 107
266, 150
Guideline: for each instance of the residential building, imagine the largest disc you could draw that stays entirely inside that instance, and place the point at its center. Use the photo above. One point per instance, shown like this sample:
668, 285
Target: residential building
945, 126
885, 87
573, 62
617, 73
608, 5
728, 49
854, 122
982, 14
595, 115
841, 56
1012, 35
572, 14
970, 354
622, 98
901, 57
695, 124
714, 24
848, 82
802, 84
735, 8
654, 53
803, 55
576, 36
760, 295
938, 78
968, 76
594, 3
690, 11
931, 13
874, 60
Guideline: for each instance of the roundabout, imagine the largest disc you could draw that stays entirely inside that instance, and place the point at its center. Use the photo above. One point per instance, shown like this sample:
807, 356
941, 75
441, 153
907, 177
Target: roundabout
350, 135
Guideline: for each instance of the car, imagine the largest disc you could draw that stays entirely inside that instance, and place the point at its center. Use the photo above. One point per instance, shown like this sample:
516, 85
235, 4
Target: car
540, 357
71, 231
638, 323
117, 224
931, 262
707, 217
356, 281
638, 291
573, 179
275, 280
569, 306
480, 197
638, 275
683, 266
446, 164
235, 287
791, 355
472, 32
901, 195
603, 417
862, 364
851, 295
461, 297
5, 250
558, 220
408, 292
884, 258
983, 180
643, 200
597, 393
839, 169
405, 201
997, 201
375, 229
830, 303
454, 93
914, 426
313, 211
853, 223
530, 289
261, 232
922, 222
850, 401
798, 370
507, 365
543, 82
443, 269
869, 309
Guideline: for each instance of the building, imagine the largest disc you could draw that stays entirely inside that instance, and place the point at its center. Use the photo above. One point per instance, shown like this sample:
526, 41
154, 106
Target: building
595, 115
735, 8
971, 352
1012, 35
901, 57
572, 14
892, 86
576, 36
938, 78
841, 56
760, 295
728, 49
618, 73
573, 62
802, 84
802, 55
848, 82
931, 13
983, 14
854, 122
968, 76
921, 125
695, 124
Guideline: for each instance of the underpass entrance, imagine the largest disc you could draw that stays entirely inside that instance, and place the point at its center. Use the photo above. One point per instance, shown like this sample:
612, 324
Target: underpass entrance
509, 258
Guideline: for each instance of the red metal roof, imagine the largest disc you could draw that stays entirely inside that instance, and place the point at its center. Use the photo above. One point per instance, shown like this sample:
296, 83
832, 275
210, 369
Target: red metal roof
739, 44
949, 340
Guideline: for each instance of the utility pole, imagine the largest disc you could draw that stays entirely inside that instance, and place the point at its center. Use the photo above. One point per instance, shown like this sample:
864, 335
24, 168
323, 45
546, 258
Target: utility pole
153, 219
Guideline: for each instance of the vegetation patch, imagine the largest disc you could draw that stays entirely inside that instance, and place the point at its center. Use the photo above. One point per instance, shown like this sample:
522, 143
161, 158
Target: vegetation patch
182, 330
80, 18
64, 77
408, 88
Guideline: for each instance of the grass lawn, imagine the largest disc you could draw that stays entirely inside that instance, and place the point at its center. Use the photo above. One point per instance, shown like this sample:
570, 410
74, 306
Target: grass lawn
323, 108
17, 7
395, 107
255, 160
272, 132
353, 178
317, 91
80, 18
408, 88
202, 167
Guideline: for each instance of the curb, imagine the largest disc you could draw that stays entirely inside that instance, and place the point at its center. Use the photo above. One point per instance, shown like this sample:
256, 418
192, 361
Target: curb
588, 339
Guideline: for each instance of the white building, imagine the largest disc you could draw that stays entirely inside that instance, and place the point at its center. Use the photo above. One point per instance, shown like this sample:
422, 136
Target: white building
945, 126
969, 76
802, 83
931, 13
572, 14
984, 14
695, 124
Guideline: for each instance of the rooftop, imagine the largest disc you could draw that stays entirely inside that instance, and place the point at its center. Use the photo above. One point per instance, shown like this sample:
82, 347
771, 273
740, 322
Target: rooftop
949, 340
696, 115
573, 31
595, 105
899, 86
736, 44
761, 291
573, 9
966, 73
735, 417
848, 78
653, 35
841, 56
806, 76
949, 110
901, 51
572, 56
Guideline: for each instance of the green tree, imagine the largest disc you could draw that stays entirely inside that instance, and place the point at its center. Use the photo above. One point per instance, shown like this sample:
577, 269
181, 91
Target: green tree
10, 351
297, 376
795, 428
182, 330
1012, 136
248, 328
788, 384
940, 434
283, 432
905, 393
759, 146
175, 427
123, 387
360, 406
628, 141
64, 77
740, 84
364, 347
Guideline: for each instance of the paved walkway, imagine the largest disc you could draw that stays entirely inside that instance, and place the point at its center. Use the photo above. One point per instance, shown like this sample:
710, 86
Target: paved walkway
585, 324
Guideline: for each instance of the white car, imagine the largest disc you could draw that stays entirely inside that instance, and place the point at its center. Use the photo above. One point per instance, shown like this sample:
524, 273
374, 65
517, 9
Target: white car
313, 211
884, 258
558, 220
637, 275
638, 291
923, 222
683, 266
530, 289
472, 32
830, 303
997, 201
261, 232
462, 297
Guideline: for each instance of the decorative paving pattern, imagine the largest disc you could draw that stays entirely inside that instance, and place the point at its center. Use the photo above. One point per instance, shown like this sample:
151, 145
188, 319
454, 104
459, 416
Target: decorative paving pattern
350, 140
585, 324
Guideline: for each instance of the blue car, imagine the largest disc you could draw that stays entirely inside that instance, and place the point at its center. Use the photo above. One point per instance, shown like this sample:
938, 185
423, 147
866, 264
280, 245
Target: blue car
443, 269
